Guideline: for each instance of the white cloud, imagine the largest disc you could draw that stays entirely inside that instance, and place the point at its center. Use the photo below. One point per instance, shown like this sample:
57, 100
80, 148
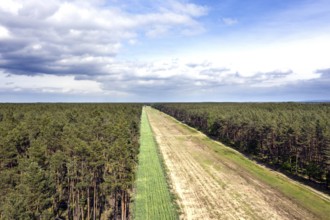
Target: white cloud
4, 33
303, 57
48, 84
62, 30
157, 31
229, 21
115, 19
10, 6
188, 8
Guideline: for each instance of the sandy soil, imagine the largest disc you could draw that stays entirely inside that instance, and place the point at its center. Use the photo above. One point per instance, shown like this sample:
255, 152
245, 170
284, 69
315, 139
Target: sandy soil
211, 187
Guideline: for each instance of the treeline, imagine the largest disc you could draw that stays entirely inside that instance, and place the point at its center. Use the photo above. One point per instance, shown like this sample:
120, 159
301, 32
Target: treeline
293, 137
67, 161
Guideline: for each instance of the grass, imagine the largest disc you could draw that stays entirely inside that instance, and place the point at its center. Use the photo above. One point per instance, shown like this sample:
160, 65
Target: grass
297, 192
153, 198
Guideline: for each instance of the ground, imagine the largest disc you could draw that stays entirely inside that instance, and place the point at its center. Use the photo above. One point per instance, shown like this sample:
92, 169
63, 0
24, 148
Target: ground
213, 181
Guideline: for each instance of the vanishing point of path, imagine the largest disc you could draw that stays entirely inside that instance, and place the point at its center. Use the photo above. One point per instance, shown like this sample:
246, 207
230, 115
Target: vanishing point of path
212, 184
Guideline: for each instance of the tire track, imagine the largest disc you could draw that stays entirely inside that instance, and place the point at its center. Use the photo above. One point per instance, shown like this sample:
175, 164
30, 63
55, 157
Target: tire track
210, 187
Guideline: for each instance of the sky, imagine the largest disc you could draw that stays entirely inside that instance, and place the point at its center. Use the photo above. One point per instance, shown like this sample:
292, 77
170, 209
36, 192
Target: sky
164, 50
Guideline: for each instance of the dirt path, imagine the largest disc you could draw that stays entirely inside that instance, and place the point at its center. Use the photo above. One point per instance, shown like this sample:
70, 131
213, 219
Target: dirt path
213, 187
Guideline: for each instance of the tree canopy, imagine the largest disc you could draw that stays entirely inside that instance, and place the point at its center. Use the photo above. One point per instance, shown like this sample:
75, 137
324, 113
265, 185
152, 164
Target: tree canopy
67, 161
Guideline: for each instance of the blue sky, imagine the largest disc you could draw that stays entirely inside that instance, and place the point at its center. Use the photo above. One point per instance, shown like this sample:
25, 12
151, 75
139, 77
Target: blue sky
164, 50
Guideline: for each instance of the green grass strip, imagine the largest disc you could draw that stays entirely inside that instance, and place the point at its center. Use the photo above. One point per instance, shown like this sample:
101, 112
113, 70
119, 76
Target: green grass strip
296, 192
153, 198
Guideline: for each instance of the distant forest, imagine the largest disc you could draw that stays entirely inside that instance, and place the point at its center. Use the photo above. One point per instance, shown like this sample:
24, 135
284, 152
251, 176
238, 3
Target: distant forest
67, 161
292, 137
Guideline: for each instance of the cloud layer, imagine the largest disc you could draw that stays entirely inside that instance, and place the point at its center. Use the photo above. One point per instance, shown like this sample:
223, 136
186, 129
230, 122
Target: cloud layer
78, 47
79, 38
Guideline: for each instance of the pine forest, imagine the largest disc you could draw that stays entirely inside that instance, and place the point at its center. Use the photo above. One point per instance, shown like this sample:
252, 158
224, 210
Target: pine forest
67, 161
130, 161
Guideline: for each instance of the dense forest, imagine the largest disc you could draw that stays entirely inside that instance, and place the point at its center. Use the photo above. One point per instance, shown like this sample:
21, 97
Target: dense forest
67, 161
292, 137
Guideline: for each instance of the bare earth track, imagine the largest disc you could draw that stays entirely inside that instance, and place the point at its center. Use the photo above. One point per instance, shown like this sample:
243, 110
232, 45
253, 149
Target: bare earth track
210, 186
